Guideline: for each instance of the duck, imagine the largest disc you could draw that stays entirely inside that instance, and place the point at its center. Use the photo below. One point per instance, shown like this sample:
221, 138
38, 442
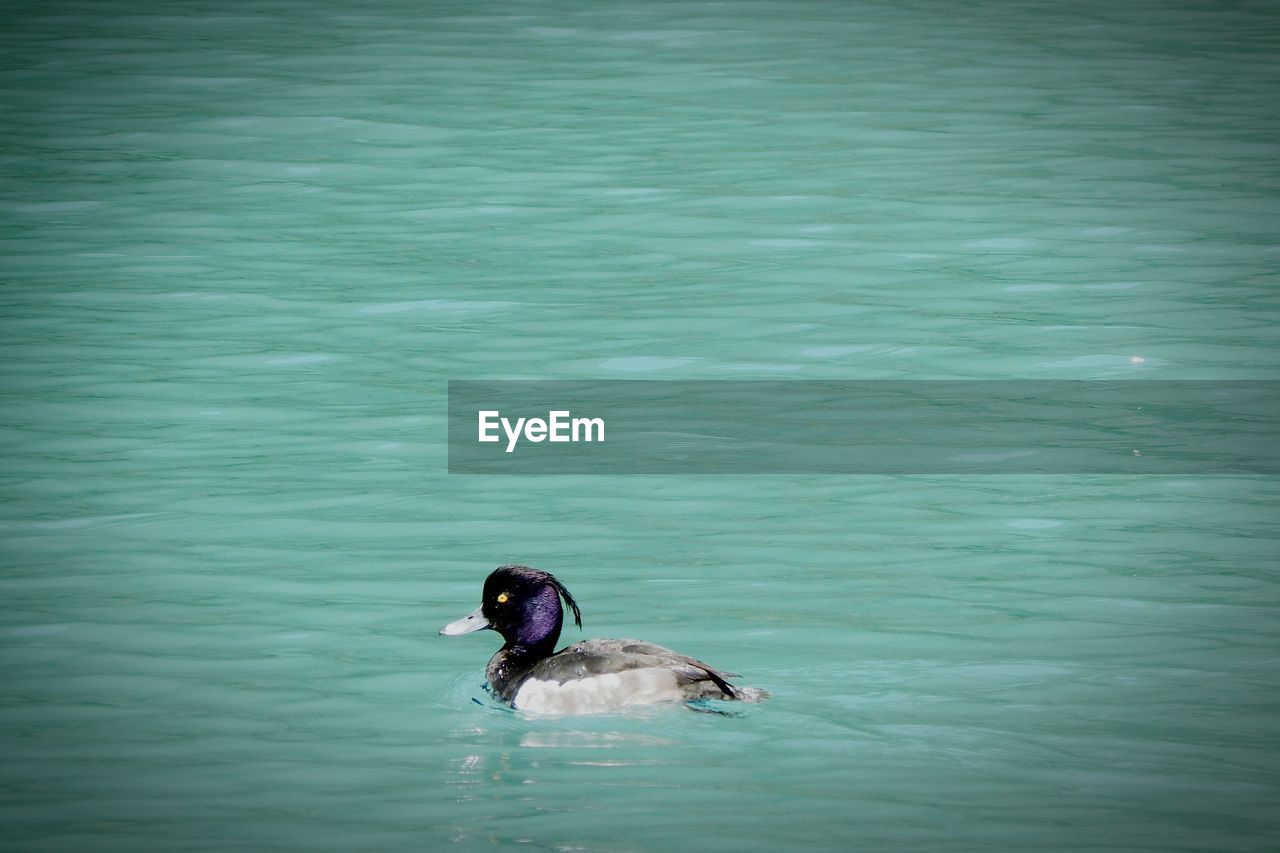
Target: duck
522, 604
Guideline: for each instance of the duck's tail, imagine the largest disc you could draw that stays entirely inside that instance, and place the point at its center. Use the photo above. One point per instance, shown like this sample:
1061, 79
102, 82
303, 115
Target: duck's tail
730, 691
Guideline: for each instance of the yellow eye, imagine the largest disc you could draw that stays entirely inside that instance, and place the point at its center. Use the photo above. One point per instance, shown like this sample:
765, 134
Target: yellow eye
502, 598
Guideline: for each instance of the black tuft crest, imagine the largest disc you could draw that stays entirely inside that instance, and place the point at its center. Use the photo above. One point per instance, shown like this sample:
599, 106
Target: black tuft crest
568, 599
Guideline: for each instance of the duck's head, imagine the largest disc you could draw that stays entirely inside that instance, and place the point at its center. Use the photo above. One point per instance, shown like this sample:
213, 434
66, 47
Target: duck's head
520, 603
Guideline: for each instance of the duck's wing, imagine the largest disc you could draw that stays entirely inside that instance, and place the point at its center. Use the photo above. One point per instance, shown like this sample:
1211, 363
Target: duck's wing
640, 647
600, 657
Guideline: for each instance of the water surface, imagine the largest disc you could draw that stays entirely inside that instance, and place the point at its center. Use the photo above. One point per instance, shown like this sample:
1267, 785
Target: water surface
245, 245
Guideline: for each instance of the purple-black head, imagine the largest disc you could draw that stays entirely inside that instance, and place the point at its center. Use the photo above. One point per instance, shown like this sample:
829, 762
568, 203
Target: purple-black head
520, 603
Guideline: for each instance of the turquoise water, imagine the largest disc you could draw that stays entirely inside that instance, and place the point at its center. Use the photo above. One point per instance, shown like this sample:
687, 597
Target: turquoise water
245, 245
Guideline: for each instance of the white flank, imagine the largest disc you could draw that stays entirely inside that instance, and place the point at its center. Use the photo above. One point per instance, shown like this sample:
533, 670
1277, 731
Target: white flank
599, 693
